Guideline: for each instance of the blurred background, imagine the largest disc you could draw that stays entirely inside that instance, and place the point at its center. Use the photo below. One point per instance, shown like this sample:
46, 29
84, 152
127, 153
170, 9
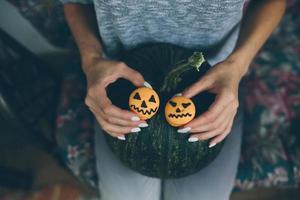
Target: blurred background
46, 147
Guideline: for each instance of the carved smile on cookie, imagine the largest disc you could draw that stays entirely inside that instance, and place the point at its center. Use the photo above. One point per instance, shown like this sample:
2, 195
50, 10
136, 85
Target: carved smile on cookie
145, 112
179, 111
180, 115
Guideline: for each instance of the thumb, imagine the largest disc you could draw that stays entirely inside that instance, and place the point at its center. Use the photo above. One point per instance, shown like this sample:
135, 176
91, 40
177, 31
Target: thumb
133, 76
200, 86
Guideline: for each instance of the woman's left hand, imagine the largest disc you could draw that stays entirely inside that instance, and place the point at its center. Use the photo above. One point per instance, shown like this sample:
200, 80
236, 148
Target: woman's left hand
223, 79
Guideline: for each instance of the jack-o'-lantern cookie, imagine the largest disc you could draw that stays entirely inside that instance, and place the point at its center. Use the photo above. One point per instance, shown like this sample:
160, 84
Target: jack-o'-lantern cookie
144, 102
179, 111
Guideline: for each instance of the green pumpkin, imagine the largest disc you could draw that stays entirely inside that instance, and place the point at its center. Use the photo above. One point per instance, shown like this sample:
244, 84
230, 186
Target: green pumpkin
159, 150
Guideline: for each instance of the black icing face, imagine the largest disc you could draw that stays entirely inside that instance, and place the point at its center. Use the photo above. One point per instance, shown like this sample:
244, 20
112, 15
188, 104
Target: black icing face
145, 106
181, 109
144, 102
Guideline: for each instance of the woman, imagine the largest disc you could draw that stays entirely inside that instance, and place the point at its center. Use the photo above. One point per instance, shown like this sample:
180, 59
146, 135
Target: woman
231, 37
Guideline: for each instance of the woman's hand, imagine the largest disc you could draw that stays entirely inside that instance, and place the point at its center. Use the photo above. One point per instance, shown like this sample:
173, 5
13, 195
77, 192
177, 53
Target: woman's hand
223, 80
100, 73
259, 20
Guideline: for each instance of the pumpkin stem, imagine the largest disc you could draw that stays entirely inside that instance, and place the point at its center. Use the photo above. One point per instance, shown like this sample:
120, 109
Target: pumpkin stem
173, 78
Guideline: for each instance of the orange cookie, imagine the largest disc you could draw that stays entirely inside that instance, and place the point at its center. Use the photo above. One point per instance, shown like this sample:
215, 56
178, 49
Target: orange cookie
144, 102
179, 111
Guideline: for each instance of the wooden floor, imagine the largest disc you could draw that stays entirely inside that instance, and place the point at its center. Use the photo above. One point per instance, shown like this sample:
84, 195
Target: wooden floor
48, 171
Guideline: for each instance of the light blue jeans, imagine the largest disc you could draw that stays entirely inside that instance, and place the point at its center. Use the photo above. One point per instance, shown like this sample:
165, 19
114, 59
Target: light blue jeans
215, 182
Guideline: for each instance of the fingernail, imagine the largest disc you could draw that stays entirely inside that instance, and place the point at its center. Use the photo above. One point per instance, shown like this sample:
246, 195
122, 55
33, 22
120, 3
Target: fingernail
135, 130
178, 95
135, 119
146, 84
184, 130
143, 125
121, 137
212, 145
193, 139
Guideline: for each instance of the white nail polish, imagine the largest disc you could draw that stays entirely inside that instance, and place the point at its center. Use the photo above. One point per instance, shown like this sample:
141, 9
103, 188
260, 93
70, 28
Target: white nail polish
121, 137
143, 125
135, 130
146, 84
135, 119
178, 95
193, 139
212, 145
184, 130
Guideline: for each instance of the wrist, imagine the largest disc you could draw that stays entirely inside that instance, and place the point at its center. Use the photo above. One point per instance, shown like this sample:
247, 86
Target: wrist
89, 51
88, 59
88, 62
241, 62
90, 54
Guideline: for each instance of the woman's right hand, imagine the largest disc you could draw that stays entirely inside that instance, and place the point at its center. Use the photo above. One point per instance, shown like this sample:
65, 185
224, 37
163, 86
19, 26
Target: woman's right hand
100, 73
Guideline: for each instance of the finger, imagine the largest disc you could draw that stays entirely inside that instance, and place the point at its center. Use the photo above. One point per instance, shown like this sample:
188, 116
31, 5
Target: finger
222, 101
217, 140
133, 76
113, 134
221, 119
203, 84
110, 110
92, 106
101, 120
221, 137
121, 122
126, 123
114, 129
101, 98
209, 134
121, 137
119, 129
113, 120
